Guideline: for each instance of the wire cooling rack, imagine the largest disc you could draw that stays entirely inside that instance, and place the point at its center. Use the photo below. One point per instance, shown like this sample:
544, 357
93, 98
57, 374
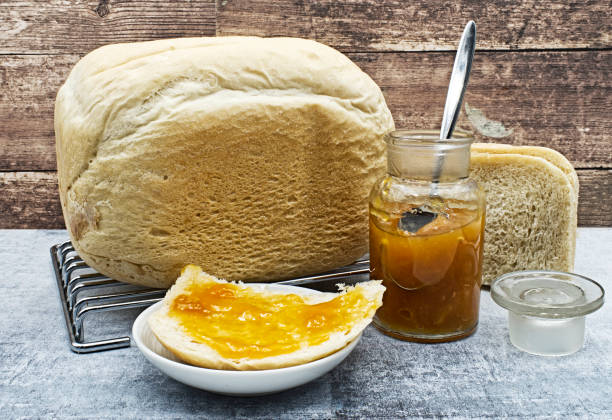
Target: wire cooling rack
83, 291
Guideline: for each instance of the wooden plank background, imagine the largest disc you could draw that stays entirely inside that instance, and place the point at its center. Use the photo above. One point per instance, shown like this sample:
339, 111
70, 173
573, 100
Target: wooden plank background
542, 73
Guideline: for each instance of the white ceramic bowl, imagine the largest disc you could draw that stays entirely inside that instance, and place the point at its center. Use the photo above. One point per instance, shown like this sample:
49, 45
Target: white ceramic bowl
229, 382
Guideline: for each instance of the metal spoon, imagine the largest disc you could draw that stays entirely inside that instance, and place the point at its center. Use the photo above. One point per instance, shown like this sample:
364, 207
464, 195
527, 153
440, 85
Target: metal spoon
411, 221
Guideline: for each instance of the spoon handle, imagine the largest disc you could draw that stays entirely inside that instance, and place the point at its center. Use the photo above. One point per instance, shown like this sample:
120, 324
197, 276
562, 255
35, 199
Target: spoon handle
456, 89
459, 80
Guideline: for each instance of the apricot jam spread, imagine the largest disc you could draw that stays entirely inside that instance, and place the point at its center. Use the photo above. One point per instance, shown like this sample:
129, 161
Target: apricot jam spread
432, 276
239, 321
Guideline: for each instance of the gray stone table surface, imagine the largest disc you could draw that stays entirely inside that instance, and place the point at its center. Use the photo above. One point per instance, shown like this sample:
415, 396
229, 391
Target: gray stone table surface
481, 376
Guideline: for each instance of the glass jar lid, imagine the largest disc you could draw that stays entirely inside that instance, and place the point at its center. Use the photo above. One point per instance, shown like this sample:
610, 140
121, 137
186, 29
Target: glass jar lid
547, 294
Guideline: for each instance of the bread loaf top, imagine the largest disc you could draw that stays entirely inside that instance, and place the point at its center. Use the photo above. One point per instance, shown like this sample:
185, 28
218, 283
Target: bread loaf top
251, 157
118, 90
552, 156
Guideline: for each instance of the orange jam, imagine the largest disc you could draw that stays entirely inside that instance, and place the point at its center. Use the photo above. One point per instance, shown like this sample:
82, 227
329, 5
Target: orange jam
432, 276
239, 322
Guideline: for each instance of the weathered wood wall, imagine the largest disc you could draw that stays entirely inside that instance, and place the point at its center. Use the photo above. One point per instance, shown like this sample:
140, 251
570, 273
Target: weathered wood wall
542, 73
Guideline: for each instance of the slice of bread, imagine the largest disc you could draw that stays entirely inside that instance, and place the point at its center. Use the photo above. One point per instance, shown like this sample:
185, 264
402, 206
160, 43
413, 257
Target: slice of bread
252, 157
532, 205
216, 324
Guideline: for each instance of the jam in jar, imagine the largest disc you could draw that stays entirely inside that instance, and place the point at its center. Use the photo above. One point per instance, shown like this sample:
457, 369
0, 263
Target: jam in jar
426, 239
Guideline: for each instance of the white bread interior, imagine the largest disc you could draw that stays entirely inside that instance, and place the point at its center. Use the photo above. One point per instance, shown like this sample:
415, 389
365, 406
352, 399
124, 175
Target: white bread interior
532, 206
250, 157
170, 333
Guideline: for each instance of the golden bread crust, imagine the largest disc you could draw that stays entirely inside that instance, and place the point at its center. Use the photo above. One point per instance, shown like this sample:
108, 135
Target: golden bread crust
250, 157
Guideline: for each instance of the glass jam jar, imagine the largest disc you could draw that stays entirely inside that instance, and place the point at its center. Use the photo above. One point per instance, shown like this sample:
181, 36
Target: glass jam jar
426, 238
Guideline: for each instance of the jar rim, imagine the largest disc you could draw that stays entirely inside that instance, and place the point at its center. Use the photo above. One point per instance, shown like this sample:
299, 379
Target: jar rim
404, 136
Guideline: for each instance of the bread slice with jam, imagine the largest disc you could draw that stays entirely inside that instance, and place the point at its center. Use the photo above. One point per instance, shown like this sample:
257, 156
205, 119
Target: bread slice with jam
217, 324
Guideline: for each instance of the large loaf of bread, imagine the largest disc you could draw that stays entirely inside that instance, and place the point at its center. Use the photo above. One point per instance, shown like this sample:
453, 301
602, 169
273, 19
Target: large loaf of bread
532, 205
250, 157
